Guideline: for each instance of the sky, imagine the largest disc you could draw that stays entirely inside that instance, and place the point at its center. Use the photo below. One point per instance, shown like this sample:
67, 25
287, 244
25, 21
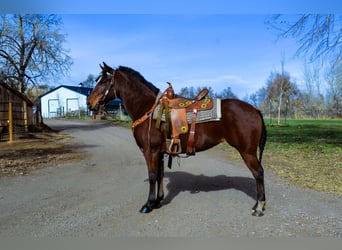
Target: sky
217, 50
216, 43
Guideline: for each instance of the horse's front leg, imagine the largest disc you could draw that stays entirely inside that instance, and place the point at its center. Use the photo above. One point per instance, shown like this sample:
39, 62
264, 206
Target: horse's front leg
160, 178
154, 160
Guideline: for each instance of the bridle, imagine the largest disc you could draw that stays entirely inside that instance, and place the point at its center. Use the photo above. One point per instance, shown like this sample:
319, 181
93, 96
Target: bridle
112, 82
147, 115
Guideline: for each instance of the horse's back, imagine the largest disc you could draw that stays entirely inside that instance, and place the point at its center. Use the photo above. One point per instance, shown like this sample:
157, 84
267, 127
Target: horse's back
238, 112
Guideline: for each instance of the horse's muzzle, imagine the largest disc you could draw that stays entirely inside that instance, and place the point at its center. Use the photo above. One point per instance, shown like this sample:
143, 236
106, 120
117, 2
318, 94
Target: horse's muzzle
97, 106
93, 108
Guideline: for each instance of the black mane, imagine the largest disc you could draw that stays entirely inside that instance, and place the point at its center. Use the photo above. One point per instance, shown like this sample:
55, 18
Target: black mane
138, 76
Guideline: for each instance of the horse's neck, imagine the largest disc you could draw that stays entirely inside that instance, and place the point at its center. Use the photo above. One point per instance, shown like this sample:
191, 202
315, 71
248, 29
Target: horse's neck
137, 99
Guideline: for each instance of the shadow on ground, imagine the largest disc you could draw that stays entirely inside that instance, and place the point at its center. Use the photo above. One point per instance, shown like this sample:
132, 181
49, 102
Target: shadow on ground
185, 182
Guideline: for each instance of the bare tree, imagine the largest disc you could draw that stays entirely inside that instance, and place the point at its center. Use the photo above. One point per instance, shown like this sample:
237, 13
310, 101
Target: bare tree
31, 50
334, 92
312, 98
318, 36
251, 99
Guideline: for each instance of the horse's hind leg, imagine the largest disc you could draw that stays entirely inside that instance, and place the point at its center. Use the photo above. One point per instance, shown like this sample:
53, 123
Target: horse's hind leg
255, 166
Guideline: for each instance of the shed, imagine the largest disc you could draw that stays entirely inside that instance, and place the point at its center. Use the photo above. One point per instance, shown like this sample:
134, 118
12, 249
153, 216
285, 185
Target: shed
21, 107
63, 100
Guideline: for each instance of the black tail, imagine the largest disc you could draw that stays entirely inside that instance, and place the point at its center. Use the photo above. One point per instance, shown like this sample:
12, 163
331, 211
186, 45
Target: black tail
263, 138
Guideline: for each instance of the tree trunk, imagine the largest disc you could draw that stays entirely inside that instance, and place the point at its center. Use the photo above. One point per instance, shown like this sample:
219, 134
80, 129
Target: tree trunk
279, 104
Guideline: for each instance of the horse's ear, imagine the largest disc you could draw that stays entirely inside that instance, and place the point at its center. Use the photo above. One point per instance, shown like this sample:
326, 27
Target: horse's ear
106, 68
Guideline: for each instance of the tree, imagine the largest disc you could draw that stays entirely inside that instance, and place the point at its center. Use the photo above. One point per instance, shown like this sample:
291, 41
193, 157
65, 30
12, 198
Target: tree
312, 98
226, 93
252, 99
31, 50
281, 90
89, 82
33, 92
318, 36
334, 92
187, 92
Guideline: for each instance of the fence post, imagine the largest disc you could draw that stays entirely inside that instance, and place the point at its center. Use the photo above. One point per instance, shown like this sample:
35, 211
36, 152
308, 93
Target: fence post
10, 119
25, 117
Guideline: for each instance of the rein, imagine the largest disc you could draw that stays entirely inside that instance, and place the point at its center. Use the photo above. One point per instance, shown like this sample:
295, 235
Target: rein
147, 114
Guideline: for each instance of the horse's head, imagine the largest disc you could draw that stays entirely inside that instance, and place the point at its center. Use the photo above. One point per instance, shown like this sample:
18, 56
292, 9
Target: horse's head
102, 93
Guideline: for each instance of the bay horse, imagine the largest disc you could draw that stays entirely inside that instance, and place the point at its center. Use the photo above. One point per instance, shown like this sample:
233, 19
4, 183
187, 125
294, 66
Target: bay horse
241, 125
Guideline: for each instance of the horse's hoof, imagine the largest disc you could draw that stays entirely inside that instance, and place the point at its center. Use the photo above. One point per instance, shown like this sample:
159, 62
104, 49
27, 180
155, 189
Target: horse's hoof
259, 208
257, 213
145, 209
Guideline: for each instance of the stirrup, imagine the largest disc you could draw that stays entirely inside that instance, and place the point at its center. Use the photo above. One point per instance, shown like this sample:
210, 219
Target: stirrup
174, 147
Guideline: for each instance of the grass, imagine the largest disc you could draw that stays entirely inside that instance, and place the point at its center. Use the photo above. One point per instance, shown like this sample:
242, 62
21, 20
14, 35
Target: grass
307, 153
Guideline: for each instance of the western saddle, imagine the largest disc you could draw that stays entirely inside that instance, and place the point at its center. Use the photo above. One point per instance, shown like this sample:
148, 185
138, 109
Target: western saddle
175, 108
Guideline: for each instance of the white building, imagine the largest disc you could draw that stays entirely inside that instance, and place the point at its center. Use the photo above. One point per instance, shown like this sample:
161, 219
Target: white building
63, 100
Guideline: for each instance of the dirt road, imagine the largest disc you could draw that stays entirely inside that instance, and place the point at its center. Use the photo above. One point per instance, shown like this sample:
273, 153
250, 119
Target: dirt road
206, 196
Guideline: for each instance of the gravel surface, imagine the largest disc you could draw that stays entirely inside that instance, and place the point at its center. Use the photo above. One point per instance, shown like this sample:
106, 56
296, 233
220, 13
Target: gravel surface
206, 196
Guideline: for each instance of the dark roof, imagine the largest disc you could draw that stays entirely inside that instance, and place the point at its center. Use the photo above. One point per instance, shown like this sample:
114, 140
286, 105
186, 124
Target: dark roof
17, 93
82, 90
